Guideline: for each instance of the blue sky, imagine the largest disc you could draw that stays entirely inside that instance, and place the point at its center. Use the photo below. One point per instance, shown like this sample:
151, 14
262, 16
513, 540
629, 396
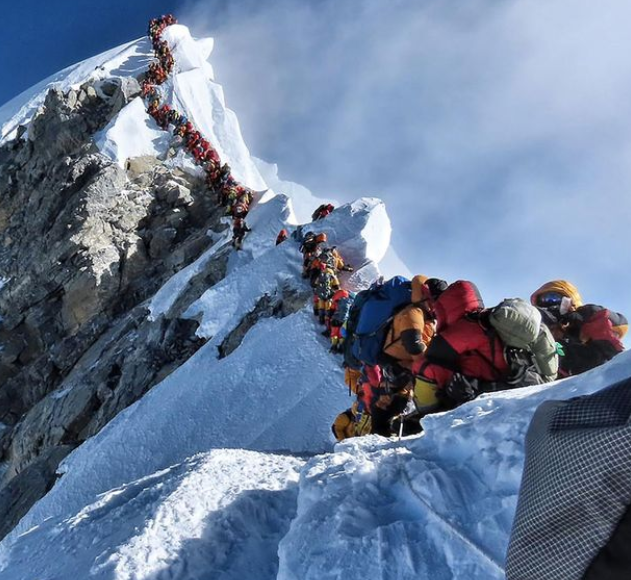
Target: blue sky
41, 37
499, 134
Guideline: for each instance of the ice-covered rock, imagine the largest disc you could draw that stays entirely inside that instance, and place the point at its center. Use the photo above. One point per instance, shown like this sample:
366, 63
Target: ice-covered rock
123, 62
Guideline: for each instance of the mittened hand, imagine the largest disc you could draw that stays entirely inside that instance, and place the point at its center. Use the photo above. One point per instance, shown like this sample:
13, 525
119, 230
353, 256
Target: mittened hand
462, 389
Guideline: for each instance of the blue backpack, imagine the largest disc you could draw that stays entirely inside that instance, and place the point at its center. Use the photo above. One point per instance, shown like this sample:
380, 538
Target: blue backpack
378, 306
351, 324
343, 309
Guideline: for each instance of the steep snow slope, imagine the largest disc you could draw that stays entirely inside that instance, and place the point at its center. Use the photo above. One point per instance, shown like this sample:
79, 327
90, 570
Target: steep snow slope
435, 506
278, 391
216, 308
218, 515
132, 134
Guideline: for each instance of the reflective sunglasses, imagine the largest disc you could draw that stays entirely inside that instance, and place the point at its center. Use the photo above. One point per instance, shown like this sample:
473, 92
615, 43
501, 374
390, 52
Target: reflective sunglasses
549, 299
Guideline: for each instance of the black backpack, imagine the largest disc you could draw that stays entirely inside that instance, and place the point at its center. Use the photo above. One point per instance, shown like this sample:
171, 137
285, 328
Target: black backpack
308, 243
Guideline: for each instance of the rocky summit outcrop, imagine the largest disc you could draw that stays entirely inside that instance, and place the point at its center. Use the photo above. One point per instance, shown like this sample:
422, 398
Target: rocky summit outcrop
83, 244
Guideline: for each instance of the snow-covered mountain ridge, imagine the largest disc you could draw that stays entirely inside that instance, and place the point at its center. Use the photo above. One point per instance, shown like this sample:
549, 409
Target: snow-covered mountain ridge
118, 269
210, 474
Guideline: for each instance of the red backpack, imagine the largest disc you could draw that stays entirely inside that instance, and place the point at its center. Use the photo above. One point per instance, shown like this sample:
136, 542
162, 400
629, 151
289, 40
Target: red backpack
458, 300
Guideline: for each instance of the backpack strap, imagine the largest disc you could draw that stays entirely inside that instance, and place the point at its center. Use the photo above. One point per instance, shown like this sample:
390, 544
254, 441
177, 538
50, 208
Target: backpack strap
392, 342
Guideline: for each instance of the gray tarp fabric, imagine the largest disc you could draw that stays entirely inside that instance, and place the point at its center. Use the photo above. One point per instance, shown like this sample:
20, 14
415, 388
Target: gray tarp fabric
576, 485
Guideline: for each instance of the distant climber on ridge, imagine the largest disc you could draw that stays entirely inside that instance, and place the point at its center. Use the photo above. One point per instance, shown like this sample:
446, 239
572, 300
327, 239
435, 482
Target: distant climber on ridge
239, 229
325, 286
322, 211
337, 315
282, 236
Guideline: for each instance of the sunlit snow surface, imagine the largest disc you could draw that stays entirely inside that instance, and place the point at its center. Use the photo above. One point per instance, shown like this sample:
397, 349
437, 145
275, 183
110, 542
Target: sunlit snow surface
132, 133
218, 515
436, 506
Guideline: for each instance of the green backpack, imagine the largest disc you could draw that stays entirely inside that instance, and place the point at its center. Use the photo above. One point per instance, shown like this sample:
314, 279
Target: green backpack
545, 352
518, 324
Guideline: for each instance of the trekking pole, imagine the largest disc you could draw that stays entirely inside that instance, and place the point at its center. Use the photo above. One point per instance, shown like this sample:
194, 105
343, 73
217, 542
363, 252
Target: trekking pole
400, 419
402, 416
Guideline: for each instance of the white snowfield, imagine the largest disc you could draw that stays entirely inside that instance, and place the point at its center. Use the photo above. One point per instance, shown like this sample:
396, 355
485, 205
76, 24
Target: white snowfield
436, 506
213, 473
220, 514
132, 134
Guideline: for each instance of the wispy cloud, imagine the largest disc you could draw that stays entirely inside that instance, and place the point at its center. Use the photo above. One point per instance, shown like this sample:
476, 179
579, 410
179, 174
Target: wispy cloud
499, 134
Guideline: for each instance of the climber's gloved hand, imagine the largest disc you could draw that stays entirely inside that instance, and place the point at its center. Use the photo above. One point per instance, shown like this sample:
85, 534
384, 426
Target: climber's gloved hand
462, 389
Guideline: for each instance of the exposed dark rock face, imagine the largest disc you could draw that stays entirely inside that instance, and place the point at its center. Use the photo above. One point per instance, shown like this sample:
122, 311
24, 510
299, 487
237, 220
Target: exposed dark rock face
23, 491
279, 305
84, 244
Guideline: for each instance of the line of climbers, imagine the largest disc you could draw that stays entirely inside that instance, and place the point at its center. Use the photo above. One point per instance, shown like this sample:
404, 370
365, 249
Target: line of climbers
413, 347
420, 346
235, 197
321, 266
